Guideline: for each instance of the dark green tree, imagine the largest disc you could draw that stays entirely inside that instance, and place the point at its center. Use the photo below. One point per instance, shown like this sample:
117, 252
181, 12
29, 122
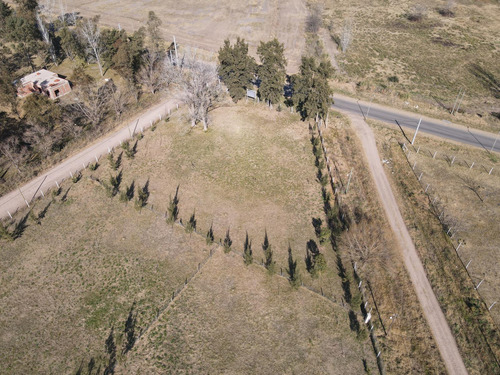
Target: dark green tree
153, 27
173, 208
293, 273
227, 242
191, 224
236, 68
272, 71
39, 109
70, 44
210, 235
247, 251
268, 255
311, 92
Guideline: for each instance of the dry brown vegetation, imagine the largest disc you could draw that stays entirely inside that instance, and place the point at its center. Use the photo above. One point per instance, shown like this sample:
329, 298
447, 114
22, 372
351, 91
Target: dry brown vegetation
406, 342
237, 319
452, 205
83, 260
431, 55
204, 24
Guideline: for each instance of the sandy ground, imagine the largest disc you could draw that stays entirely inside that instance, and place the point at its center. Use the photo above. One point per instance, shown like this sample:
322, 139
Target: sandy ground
435, 317
204, 24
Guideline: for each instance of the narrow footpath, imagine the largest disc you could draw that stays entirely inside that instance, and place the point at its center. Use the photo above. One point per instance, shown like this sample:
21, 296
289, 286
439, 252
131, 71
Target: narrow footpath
439, 326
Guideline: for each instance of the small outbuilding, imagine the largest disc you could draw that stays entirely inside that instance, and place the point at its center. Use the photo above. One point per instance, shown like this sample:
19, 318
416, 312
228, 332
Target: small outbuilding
43, 82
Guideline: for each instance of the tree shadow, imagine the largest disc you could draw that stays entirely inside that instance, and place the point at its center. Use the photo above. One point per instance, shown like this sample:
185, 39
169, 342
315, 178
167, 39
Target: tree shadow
486, 78
20, 227
65, 196
317, 223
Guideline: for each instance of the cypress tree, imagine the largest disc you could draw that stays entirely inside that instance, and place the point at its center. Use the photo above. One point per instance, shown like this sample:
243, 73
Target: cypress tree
293, 273
227, 242
236, 67
247, 251
311, 92
210, 235
272, 71
268, 255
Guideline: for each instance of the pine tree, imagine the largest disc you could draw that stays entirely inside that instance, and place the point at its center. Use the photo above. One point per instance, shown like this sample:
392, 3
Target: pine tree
311, 92
268, 255
236, 68
247, 251
272, 72
227, 242
293, 273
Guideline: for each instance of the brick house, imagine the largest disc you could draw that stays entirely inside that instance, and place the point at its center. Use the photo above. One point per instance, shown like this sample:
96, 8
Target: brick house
43, 82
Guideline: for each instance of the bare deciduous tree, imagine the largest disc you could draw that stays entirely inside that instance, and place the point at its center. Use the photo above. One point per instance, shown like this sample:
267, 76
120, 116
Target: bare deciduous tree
201, 90
365, 246
46, 36
347, 35
473, 185
91, 34
13, 151
92, 102
157, 71
119, 99
42, 139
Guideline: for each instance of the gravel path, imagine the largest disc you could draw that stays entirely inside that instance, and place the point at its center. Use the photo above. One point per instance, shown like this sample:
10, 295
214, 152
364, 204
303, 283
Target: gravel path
435, 317
16, 199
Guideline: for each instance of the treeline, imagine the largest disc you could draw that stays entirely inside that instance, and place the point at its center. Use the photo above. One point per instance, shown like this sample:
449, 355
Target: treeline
34, 37
308, 91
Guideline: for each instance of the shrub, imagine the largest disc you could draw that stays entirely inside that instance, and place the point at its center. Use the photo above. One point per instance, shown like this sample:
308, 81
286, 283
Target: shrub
93, 166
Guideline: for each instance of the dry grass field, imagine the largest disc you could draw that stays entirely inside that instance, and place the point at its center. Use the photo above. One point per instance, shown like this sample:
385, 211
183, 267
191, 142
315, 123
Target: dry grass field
68, 280
204, 24
64, 283
468, 217
234, 319
432, 58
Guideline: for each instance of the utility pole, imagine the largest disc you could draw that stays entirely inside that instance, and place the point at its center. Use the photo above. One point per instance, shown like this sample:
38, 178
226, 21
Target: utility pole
416, 131
456, 101
494, 143
348, 181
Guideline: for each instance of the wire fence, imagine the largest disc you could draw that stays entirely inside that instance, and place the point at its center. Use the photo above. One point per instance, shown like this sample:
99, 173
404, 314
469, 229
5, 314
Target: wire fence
450, 231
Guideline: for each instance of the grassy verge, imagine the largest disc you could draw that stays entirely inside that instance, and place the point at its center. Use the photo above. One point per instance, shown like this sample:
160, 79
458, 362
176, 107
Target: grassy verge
402, 332
475, 331
423, 62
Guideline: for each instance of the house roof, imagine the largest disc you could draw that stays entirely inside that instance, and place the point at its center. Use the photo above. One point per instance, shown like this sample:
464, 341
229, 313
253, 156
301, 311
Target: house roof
43, 78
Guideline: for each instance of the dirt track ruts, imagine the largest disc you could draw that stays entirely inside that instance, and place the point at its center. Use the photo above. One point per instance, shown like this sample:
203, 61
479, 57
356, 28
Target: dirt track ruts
439, 326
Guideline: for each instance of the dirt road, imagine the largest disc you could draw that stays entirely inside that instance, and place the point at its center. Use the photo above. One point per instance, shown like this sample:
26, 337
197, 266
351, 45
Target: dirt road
435, 317
12, 201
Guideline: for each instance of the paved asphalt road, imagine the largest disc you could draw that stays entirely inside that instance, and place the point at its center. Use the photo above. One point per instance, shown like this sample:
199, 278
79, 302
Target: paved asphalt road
408, 123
